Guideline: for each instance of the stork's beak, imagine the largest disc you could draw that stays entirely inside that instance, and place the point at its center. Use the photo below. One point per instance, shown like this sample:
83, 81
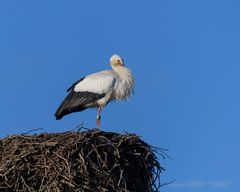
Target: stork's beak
121, 64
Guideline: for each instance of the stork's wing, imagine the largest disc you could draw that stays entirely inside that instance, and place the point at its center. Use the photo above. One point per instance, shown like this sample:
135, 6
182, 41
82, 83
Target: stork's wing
96, 83
73, 85
85, 92
76, 101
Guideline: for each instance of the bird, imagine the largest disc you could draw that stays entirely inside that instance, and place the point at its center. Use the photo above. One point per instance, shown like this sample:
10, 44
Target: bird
98, 89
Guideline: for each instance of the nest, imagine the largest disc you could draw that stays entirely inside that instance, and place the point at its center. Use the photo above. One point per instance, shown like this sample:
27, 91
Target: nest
86, 161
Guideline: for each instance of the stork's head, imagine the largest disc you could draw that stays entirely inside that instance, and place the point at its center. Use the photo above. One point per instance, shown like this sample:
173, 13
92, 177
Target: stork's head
116, 61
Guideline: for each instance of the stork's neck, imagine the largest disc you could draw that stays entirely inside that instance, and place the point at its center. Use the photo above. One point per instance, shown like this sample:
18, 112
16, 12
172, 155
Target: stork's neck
122, 71
126, 84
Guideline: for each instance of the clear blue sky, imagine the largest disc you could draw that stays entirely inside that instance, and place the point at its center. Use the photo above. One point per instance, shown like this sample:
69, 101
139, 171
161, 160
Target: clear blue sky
184, 55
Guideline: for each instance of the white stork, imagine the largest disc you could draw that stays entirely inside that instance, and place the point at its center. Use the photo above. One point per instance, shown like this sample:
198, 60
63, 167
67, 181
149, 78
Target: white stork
98, 89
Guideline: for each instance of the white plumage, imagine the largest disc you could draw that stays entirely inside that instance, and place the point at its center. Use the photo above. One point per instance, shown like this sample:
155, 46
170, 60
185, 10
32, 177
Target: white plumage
100, 82
98, 89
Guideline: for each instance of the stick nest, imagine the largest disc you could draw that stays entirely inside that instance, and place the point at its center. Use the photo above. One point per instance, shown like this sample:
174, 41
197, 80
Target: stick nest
86, 161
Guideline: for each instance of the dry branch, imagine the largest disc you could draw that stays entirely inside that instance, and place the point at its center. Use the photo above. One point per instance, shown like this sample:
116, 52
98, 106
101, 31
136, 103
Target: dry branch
88, 161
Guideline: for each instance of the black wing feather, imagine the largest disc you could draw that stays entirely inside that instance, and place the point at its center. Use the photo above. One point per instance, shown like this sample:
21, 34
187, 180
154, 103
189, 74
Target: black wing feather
77, 101
73, 85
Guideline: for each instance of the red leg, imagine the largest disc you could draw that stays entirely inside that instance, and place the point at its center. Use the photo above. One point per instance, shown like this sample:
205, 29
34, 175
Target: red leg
98, 117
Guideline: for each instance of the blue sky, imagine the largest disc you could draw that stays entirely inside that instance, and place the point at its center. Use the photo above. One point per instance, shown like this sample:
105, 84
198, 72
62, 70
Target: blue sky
185, 58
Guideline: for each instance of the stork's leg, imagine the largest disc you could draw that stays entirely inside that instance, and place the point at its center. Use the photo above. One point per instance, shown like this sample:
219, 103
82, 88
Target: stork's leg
98, 117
